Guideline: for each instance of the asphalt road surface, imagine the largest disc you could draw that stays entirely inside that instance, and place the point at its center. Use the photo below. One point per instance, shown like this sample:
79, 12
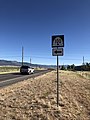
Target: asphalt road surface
11, 78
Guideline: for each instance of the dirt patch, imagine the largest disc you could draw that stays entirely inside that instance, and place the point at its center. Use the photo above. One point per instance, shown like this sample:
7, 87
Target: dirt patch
35, 99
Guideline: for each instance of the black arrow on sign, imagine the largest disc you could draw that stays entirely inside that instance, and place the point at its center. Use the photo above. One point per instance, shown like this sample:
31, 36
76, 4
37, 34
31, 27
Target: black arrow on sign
58, 51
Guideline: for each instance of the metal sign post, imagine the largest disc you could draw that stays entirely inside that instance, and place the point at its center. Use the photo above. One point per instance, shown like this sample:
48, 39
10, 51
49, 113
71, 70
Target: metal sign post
57, 82
57, 42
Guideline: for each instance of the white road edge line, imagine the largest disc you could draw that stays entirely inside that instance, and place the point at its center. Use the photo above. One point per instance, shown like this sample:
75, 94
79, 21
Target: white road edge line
24, 77
12, 79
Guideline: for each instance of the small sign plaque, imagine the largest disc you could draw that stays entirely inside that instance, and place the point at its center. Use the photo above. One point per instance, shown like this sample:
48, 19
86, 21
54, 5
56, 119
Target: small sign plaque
57, 51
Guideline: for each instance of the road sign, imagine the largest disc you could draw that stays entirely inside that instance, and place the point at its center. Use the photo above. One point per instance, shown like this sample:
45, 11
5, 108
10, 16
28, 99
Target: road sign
58, 41
57, 51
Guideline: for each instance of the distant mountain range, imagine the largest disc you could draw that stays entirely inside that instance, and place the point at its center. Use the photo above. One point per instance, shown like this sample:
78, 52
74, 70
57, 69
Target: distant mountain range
15, 63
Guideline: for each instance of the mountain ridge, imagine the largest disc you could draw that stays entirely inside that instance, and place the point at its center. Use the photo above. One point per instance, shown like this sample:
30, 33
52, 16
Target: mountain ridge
16, 63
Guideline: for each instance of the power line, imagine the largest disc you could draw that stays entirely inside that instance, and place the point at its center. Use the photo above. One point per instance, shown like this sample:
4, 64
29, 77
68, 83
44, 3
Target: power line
38, 57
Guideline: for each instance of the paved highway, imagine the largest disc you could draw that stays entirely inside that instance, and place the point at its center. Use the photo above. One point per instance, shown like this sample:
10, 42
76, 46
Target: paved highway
11, 78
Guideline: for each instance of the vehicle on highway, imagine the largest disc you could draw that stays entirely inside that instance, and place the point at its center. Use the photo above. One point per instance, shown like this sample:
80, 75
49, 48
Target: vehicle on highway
26, 69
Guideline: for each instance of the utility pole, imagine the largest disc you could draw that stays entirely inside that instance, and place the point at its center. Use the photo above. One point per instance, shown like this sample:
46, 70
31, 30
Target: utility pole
30, 61
83, 63
22, 54
83, 60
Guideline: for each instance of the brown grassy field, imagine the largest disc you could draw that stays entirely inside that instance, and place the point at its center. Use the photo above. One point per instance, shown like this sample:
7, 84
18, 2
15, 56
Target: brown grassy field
9, 69
35, 99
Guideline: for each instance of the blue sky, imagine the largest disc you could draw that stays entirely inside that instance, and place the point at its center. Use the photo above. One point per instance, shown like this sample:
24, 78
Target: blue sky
31, 23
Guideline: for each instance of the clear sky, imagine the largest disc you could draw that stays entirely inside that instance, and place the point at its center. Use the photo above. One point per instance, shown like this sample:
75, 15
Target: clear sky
31, 23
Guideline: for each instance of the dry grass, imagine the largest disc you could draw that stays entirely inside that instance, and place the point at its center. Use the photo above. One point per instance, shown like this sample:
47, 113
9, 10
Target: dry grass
9, 69
85, 74
35, 99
